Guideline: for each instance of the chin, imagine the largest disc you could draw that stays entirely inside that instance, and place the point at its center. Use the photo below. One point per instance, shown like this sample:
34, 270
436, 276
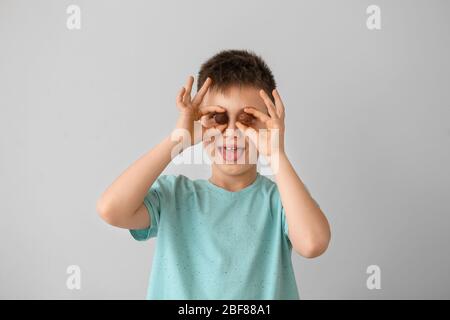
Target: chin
234, 169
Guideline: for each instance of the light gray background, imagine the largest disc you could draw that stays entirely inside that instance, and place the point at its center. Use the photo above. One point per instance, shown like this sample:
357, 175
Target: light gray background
368, 129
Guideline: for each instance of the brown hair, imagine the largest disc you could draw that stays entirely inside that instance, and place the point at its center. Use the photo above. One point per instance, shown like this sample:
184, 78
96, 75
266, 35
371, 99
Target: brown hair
236, 67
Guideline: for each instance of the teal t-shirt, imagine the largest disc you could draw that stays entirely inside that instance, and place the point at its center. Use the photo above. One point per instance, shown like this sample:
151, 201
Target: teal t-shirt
216, 244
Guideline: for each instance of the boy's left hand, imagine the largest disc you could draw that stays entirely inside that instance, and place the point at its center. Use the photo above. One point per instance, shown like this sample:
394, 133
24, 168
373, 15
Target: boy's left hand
269, 142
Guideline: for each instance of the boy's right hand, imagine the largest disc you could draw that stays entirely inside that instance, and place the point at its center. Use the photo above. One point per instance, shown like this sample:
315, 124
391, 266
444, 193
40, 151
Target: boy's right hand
190, 110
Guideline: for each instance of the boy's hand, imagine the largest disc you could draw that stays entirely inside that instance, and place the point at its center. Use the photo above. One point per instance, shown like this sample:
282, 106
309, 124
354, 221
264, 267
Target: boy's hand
190, 109
269, 142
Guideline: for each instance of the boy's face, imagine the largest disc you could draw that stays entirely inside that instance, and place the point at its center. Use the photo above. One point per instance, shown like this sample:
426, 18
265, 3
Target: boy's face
232, 153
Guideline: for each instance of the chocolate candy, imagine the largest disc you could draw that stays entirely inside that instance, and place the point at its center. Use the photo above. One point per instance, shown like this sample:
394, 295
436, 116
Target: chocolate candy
221, 118
245, 118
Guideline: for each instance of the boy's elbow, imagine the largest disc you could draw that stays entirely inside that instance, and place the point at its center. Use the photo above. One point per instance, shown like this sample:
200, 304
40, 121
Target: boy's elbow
312, 248
105, 211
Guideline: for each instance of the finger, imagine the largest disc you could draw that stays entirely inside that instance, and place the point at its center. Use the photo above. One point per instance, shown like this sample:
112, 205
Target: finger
278, 103
207, 121
188, 86
212, 132
208, 137
258, 114
269, 104
241, 127
221, 127
209, 109
248, 132
180, 95
201, 93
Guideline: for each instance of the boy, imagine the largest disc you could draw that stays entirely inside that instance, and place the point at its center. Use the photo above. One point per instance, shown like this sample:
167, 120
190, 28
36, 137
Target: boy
231, 236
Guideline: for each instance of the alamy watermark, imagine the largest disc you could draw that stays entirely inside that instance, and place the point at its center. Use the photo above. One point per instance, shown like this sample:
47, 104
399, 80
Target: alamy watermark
73, 281
374, 280
73, 21
373, 21
253, 147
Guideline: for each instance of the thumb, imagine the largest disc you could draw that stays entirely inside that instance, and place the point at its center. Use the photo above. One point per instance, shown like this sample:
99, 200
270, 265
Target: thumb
249, 132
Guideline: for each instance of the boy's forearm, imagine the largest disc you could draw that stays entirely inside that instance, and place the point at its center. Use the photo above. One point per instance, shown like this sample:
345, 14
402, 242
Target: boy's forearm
309, 230
127, 192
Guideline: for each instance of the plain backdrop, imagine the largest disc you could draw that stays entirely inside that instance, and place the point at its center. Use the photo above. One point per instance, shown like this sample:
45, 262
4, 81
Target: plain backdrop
367, 128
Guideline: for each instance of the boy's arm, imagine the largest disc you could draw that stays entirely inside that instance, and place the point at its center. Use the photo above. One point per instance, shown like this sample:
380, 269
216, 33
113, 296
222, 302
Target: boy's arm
309, 231
122, 204
308, 228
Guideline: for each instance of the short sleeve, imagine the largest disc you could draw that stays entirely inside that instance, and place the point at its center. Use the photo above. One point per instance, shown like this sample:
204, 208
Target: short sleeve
278, 208
154, 201
284, 222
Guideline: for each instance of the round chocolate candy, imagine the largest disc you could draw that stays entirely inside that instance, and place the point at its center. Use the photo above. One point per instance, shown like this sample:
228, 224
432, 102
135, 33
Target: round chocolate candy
221, 118
246, 118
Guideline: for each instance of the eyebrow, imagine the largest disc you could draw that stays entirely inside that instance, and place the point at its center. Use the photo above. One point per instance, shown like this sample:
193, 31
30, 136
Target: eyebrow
245, 106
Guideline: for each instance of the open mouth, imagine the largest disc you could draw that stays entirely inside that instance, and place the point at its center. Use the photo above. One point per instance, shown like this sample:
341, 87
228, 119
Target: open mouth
230, 153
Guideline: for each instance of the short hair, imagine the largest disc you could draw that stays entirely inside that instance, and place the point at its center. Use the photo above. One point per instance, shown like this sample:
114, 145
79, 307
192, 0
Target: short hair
236, 67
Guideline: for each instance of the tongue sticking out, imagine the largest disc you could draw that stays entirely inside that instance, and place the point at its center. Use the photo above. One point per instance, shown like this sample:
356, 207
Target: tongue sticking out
231, 154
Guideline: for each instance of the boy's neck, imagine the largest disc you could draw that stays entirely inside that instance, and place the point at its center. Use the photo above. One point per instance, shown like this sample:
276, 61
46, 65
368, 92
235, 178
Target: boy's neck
232, 183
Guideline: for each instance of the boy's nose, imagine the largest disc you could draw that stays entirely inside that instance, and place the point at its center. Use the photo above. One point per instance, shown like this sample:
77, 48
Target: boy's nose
232, 133
231, 124
231, 129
